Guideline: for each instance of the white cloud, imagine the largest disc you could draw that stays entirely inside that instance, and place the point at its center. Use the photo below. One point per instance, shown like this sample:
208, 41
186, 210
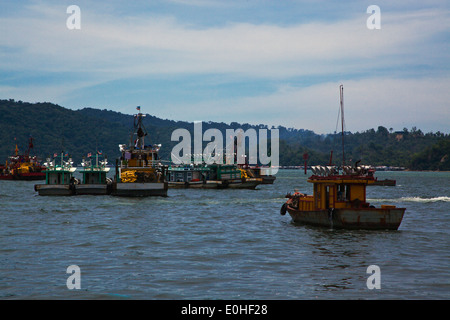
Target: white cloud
163, 45
110, 47
368, 103
201, 3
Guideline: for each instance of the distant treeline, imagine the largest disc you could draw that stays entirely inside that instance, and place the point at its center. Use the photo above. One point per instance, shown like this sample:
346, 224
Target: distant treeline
78, 132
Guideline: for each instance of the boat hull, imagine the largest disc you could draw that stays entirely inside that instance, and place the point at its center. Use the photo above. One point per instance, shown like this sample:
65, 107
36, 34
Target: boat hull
268, 179
25, 176
351, 218
138, 189
55, 189
184, 185
215, 184
248, 183
92, 189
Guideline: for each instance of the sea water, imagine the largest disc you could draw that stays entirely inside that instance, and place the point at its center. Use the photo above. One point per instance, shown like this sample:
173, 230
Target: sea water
221, 244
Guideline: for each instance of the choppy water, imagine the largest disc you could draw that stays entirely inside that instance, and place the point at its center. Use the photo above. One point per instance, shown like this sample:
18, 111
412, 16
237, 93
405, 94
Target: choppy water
221, 244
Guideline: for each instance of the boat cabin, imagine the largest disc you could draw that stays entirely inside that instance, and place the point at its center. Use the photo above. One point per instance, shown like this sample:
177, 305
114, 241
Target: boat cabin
94, 172
139, 158
56, 176
59, 171
93, 177
225, 172
338, 191
188, 173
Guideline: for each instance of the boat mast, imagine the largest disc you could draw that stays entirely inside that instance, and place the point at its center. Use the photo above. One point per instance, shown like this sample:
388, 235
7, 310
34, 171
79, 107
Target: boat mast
341, 87
140, 130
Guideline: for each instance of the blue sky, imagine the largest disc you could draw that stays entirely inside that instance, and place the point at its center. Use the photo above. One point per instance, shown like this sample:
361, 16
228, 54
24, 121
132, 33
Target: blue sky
259, 62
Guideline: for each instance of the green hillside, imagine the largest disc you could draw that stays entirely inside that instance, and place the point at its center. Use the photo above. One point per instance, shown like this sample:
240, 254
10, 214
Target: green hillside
78, 132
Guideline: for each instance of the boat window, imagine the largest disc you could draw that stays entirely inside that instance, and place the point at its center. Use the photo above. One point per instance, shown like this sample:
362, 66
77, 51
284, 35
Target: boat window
343, 192
179, 177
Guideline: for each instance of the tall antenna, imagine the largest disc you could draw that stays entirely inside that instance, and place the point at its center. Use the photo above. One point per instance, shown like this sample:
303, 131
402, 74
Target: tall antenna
341, 87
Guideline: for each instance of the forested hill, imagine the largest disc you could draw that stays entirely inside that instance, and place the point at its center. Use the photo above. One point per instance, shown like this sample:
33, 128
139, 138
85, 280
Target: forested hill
56, 129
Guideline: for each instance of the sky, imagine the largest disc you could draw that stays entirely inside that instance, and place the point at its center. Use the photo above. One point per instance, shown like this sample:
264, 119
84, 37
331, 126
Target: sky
278, 63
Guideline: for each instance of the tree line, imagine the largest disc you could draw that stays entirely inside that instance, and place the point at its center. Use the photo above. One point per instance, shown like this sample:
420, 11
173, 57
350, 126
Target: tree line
57, 129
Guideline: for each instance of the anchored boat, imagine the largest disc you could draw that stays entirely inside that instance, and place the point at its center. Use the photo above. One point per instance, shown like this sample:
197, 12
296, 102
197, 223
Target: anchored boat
139, 172
339, 199
188, 176
211, 176
22, 166
59, 180
262, 172
94, 176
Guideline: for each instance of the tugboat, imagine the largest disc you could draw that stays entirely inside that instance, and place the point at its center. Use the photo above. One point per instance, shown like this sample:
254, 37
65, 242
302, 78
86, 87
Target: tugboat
59, 180
22, 166
339, 198
139, 172
95, 180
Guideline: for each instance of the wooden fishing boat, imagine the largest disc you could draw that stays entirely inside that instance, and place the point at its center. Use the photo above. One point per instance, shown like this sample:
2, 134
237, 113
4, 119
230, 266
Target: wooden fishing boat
339, 198
59, 180
246, 181
339, 201
22, 166
94, 176
139, 172
264, 173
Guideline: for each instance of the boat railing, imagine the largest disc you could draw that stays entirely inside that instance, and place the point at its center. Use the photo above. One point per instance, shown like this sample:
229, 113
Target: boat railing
141, 164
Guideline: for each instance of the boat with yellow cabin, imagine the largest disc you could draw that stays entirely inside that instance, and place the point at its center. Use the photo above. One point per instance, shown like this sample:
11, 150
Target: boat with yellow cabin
339, 198
139, 172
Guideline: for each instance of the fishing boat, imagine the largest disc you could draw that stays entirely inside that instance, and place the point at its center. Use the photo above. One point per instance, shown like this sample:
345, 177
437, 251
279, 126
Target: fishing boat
246, 181
22, 166
264, 173
94, 176
339, 198
139, 172
59, 179
188, 176
210, 176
